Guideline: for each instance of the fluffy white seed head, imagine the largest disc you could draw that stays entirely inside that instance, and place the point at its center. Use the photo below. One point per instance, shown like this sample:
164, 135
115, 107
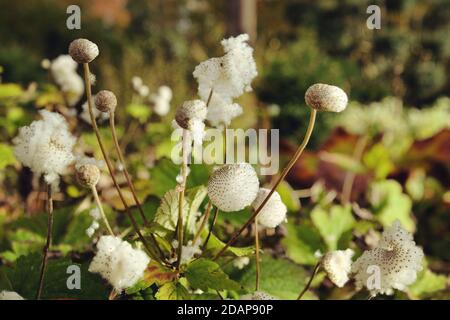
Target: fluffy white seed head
117, 262
83, 50
324, 97
337, 264
64, 72
229, 75
233, 187
274, 211
45, 146
105, 101
190, 111
397, 257
88, 175
221, 111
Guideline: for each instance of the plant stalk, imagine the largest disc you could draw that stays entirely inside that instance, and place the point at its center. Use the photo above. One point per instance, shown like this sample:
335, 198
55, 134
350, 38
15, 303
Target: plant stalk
258, 266
49, 209
102, 212
316, 268
108, 162
284, 173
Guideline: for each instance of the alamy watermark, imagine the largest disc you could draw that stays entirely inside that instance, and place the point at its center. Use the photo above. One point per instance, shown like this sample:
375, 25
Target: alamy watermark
258, 147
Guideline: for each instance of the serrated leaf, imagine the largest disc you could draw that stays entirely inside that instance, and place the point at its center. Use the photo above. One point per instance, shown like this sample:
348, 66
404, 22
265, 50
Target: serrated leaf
172, 291
390, 204
206, 274
333, 224
167, 214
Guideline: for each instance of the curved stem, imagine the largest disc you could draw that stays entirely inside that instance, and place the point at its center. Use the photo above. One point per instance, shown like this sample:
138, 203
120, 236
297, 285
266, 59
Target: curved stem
258, 267
350, 176
203, 224
182, 186
285, 171
49, 209
216, 213
100, 207
316, 268
108, 162
122, 162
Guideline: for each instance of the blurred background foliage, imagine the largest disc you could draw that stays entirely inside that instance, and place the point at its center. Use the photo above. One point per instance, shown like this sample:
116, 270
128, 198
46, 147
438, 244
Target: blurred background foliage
397, 79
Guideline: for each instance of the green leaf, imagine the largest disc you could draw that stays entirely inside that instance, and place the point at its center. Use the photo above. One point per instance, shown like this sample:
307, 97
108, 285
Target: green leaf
139, 111
195, 197
280, 278
163, 177
172, 291
288, 197
38, 223
378, 160
302, 242
390, 203
10, 90
206, 274
427, 283
167, 213
155, 273
334, 224
164, 174
24, 279
6, 156
215, 245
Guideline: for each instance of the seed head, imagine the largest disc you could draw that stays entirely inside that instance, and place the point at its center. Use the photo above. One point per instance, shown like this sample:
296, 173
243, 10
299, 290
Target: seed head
105, 101
274, 211
233, 187
88, 175
83, 50
337, 264
324, 97
190, 110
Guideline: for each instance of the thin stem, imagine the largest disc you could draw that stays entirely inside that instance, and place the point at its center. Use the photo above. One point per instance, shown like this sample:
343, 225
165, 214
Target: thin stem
316, 268
49, 209
122, 162
182, 187
209, 97
350, 176
216, 214
108, 162
203, 224
285, 171
258, 267
100, 207
112, 126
